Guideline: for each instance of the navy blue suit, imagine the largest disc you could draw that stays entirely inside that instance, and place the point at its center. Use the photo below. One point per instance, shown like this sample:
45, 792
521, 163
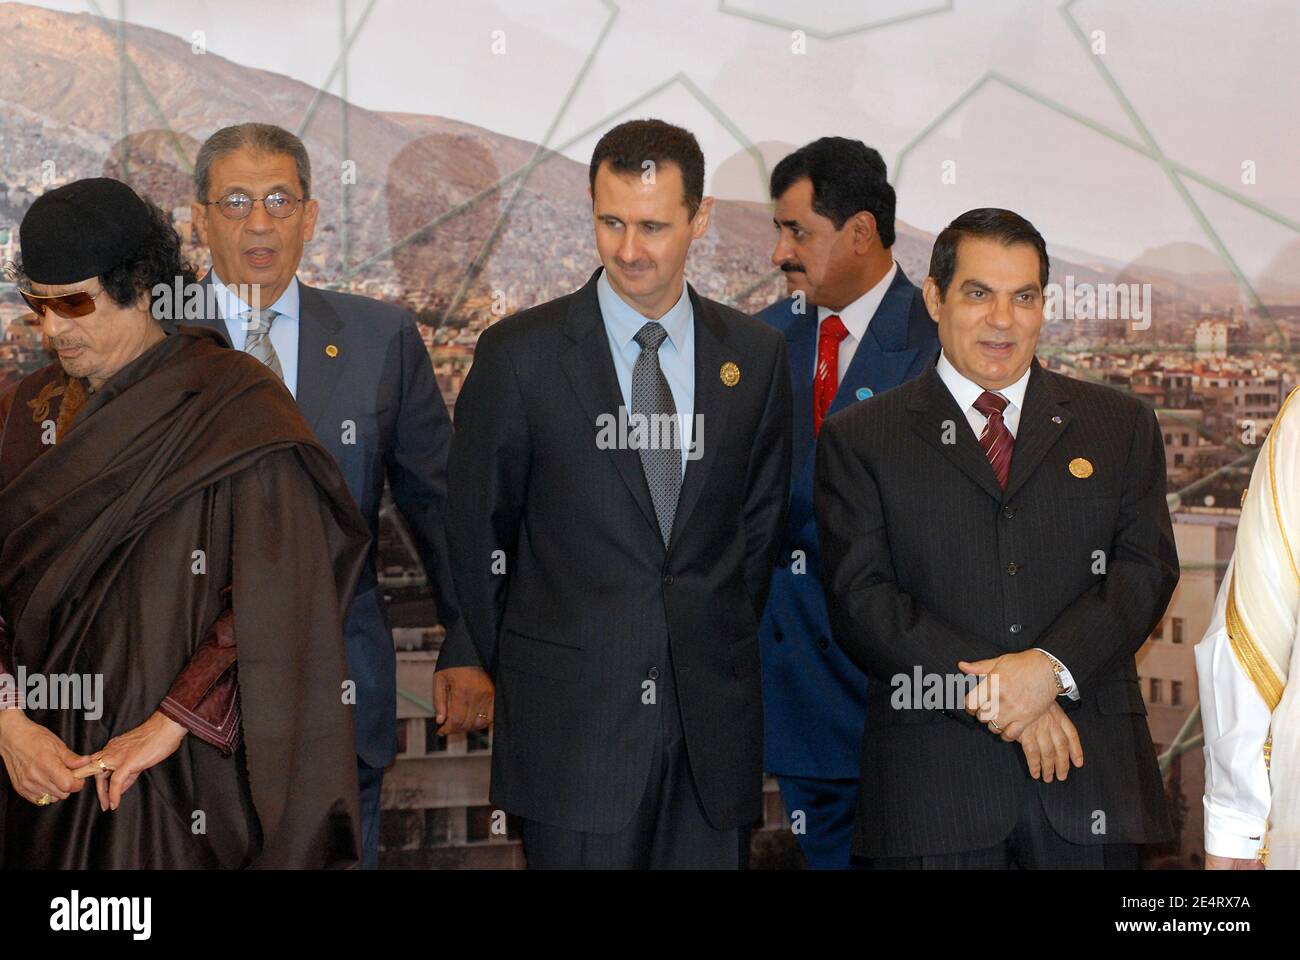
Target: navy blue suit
814, 697
366, 388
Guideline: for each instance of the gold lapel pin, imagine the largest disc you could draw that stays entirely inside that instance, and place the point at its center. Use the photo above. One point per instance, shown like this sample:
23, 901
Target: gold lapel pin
730, 374
1081, 468
331, 350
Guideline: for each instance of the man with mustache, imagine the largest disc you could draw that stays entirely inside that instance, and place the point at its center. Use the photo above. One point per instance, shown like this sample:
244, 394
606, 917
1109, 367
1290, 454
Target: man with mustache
990, 519
854, 326
362, 378
160, 497
613, 579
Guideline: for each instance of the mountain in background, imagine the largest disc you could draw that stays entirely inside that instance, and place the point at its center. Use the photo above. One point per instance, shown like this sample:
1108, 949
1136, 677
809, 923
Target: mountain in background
60, 119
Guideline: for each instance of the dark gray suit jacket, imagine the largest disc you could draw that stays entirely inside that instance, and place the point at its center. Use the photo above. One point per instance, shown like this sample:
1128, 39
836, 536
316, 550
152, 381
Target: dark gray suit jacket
579, 625
380, 381
928, 561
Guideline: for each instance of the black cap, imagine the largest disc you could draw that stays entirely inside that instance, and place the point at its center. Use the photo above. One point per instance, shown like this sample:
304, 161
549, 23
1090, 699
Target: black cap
81, 230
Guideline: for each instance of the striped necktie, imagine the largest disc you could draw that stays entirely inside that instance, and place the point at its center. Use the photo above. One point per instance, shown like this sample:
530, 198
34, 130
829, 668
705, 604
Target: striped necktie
257, 340
996, 441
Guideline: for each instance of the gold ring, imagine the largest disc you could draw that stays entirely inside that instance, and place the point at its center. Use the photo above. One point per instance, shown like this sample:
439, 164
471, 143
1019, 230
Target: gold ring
995, 726
45, 800
103, 767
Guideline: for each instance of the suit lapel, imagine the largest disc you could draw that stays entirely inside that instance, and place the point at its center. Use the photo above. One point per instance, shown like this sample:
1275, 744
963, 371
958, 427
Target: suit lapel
590, 371
1043, 421
712, 405
319, 326
936, 418
883, 357
211, 319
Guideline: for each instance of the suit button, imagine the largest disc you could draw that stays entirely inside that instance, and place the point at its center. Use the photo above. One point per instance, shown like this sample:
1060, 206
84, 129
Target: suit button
1012, 568
824, 643
668, 580
1008, 512
1015, 628
777, 636
654, 673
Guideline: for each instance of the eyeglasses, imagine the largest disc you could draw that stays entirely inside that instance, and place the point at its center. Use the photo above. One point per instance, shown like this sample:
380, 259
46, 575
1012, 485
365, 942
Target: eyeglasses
237, 206
66, 305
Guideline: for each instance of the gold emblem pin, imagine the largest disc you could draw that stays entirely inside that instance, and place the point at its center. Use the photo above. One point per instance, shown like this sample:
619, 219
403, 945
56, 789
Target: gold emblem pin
730, 374
1081, 468
331, 351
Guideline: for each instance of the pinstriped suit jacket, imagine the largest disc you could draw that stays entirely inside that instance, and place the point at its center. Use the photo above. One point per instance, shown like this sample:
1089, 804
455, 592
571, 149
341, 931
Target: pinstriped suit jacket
928, 562
578, 623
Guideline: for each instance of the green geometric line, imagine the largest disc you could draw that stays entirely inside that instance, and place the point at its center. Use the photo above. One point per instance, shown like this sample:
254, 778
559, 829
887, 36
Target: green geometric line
485, 249
1160, 158
334, 70
1181, 744
835, 34
128, 69
418, 701
1097, 127
578, 137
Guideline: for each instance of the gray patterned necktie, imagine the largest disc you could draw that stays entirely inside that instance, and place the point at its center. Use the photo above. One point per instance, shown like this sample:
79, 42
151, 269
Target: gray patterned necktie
652, 401
257, 338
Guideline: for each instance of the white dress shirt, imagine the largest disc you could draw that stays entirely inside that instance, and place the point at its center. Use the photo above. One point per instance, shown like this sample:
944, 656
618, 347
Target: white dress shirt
676, 353
1236, 721
284, 328
966, 392
856, 317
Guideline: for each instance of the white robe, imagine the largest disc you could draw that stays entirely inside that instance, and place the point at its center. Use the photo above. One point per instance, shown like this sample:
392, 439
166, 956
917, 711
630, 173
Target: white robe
1243, 663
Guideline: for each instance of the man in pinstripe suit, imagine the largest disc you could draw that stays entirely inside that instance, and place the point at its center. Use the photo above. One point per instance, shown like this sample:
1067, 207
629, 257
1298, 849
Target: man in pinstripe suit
992, 518
621, 621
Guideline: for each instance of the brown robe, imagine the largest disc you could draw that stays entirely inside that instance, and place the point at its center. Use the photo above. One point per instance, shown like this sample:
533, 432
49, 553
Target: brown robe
190, 447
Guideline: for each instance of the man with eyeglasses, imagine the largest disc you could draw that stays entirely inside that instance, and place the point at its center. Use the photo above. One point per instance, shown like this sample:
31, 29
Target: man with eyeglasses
147, 478
364, 382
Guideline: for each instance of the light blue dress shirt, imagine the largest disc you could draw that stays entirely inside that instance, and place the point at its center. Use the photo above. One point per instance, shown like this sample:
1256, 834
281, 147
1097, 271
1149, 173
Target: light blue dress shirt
284, 329
676, 354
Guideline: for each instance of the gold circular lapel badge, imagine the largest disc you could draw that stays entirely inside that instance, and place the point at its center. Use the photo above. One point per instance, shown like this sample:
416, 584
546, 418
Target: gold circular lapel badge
1081, 468
331, 351
730, 374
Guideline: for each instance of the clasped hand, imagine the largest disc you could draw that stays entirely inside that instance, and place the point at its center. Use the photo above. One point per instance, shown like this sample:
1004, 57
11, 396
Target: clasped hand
41, 766
1016, 698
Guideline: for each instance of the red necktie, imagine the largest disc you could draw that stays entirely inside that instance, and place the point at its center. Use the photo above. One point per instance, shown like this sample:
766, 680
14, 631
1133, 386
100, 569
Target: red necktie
826, 380
996, 440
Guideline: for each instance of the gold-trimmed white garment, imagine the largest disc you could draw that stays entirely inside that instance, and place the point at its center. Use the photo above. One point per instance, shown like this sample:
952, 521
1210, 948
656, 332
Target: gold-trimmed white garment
1243, 664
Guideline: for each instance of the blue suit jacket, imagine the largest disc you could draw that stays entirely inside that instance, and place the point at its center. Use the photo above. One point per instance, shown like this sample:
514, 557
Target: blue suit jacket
380, 381
814, 697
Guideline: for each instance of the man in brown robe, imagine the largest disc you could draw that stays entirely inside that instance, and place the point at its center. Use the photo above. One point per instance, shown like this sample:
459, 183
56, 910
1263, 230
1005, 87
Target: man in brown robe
160, 499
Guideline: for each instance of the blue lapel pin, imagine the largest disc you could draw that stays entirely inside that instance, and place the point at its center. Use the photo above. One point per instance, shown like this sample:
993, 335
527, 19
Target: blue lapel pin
864, 392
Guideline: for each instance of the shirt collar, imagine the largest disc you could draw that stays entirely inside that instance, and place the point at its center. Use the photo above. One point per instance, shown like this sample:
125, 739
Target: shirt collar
966, 392
623, 320
857, 315
232, 307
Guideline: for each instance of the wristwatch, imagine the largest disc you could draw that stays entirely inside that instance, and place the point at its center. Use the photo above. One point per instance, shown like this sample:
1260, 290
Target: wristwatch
1057, 669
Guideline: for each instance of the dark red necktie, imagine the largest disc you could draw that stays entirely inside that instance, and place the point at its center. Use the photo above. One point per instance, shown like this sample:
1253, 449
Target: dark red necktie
826, 379
996, 440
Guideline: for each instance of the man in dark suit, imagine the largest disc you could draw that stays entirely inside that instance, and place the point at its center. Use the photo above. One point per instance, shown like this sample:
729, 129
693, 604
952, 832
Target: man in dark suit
364, 383
854, 326
993, 518
612, 569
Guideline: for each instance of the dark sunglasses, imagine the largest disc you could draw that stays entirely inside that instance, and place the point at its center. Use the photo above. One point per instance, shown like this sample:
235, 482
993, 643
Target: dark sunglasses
66, 305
